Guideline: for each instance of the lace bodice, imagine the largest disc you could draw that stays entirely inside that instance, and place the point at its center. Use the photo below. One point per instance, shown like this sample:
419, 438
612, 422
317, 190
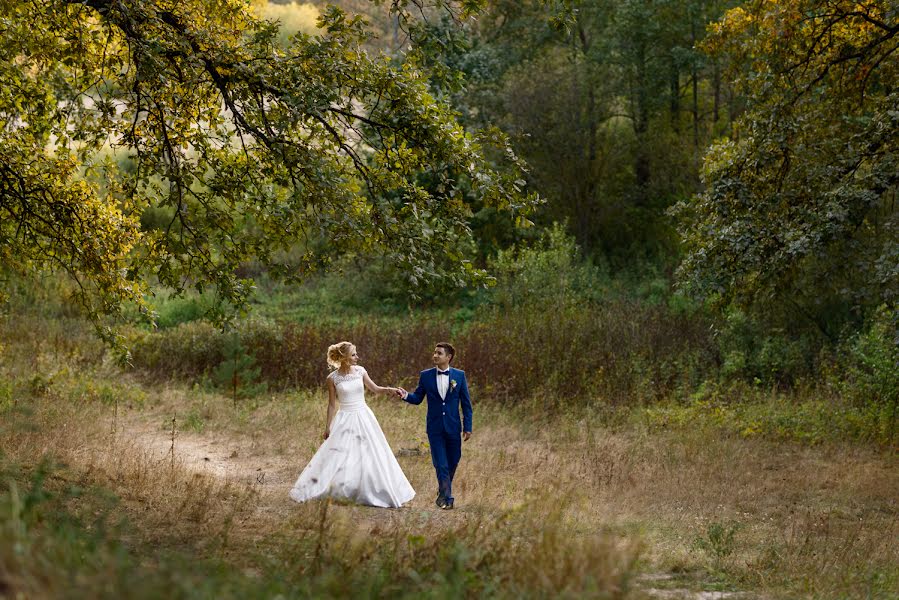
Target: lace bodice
350, 388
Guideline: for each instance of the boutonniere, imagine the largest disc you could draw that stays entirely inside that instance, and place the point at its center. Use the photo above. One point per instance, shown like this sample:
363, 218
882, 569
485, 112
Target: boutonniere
452, 384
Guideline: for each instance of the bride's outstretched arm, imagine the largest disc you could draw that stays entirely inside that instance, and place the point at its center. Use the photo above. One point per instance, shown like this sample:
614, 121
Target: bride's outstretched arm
332, 407
374, 387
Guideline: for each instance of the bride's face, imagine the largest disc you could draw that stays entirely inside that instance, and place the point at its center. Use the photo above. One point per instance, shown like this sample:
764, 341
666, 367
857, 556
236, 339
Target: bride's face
353, 357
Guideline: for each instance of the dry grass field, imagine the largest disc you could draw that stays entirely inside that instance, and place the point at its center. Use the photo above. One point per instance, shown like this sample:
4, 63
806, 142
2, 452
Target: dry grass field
586, 504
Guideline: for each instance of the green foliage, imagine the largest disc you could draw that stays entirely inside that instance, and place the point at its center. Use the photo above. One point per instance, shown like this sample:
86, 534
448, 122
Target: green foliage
322, 148
871, 362
807, 416
799, 207
718, 540
48, 549
549, 272
237, 374
290, 354
610, 103
752, 349
292, 18
621, 351
194, 421
183, 309
187, 350
868, 372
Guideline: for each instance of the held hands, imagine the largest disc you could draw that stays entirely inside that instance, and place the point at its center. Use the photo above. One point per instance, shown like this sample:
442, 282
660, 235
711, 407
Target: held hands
400, 393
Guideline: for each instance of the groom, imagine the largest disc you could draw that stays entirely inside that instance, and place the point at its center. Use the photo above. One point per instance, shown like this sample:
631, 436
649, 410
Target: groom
446, 389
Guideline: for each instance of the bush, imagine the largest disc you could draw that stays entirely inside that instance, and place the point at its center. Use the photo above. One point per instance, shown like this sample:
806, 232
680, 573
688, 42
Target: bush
755, 351
183, 352
289, 355
546, 274
237, 374
869, 370
800, 416
552, 326
183, 309
620, 352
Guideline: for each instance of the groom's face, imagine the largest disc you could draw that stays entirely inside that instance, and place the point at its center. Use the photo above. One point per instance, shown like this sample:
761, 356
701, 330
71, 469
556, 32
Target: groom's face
441, 358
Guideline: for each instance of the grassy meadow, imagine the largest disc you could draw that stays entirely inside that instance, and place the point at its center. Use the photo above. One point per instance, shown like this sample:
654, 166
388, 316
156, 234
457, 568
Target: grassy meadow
159, 481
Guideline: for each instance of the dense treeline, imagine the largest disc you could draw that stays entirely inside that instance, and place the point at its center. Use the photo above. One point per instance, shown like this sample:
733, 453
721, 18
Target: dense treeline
611, 103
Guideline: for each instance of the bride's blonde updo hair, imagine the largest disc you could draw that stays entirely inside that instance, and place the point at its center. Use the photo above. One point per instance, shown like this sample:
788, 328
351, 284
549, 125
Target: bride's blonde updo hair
338, 352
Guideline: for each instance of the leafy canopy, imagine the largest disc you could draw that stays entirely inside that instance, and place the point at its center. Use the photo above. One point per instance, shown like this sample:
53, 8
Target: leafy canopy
800, 204
228, 147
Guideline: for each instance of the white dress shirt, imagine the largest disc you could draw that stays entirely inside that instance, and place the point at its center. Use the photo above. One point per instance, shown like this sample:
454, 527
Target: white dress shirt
442, 384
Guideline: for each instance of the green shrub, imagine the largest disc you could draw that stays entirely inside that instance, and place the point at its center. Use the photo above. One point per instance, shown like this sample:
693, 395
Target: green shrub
237, 374
548, 273
289, 355
869, 371
753, 350
807, 416
186, 351
718, 541
185, 309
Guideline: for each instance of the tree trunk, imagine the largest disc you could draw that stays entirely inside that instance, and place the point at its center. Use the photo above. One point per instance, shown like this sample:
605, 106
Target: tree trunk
674, 90
641, 128
716, 91
695, 73
588, 189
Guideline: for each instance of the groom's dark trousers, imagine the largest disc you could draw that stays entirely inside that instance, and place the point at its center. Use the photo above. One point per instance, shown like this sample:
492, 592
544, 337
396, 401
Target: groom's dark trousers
444, 427
446, 450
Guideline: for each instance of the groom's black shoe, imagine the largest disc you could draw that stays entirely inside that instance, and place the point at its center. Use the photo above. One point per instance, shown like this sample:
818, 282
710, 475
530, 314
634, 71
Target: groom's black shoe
441, 501
447, 505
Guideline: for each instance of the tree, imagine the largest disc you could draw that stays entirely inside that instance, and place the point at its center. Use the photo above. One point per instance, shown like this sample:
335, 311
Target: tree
238, 372
594, 96
799, 207
228, 147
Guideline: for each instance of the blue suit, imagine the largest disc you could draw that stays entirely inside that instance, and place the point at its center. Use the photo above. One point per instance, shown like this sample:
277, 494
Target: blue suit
443, 425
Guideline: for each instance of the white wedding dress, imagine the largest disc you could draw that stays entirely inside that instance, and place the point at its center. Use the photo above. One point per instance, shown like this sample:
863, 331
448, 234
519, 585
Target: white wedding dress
355, 462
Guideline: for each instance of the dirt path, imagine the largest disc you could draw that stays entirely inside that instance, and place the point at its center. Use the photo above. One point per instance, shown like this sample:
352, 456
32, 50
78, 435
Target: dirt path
244, 461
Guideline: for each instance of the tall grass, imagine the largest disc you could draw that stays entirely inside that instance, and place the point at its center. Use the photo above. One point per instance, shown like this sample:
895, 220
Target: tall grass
615, 353
290, 355
619, 353
118, 522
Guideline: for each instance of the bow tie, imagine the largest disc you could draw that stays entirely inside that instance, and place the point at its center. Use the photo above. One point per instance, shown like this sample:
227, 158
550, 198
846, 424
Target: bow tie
443, 373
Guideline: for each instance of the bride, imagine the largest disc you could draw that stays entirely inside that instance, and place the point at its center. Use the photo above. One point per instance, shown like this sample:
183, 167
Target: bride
355, 461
